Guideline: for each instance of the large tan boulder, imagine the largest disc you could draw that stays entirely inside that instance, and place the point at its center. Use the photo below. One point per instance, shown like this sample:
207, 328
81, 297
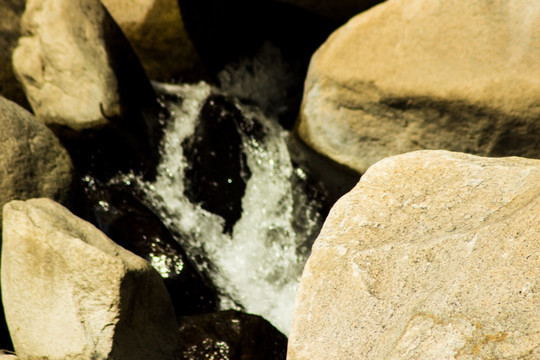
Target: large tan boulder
77, 68
433, 255
156, 31
69, 292
33, 163
410, 75
10, 30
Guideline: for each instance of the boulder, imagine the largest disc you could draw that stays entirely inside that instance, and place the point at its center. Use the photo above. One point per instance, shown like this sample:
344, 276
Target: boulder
231, 335
155, 30
217, 169
77, 68
33, 163
10, 30
433, 255
71, 293
412, 75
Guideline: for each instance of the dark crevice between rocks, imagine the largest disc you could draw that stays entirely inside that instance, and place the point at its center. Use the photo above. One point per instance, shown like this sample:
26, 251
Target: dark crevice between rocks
225, 31
322, 181
228, 32
5, 337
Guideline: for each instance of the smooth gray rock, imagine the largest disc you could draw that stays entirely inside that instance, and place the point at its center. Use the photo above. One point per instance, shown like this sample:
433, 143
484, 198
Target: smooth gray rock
33, 163
70, 292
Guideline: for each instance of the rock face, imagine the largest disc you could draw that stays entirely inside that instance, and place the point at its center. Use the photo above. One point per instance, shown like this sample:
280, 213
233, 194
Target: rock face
412, 75
433, 255
76, 66
155, 30
33, 163
9, 35
70, 293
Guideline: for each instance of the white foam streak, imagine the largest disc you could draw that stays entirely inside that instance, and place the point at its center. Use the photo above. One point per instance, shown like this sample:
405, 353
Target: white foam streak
258, 266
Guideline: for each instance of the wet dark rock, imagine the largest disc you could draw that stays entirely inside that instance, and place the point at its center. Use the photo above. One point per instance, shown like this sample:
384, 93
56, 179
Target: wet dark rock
230, 335
217, 172
127, 221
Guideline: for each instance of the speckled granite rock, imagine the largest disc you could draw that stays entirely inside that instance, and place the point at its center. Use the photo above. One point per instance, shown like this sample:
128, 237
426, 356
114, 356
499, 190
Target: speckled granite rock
433, 255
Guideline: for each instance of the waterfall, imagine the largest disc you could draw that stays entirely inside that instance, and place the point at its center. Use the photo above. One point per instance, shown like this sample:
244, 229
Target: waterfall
257, 265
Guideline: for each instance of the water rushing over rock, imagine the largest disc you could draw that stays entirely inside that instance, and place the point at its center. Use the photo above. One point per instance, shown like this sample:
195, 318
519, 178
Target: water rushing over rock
256, 263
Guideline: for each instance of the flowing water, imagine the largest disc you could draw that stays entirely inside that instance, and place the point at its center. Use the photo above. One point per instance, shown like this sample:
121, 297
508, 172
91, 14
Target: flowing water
258, 264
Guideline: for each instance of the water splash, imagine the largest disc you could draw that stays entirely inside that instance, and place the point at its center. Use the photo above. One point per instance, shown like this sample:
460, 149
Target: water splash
258, 266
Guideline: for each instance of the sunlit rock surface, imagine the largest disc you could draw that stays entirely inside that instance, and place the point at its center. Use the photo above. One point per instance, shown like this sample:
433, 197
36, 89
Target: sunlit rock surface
155, 30
7, 356
433, 255
412, 75
33, 163
69, 292
76, 66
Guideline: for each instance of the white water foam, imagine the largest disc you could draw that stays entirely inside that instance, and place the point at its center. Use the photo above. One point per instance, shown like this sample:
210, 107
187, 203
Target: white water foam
259, 265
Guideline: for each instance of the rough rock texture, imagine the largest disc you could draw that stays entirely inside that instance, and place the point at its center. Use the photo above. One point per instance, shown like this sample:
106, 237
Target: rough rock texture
155, 30
33, 163
411, 75
433, 255
71, 293
337, 10
10, 31
76, 66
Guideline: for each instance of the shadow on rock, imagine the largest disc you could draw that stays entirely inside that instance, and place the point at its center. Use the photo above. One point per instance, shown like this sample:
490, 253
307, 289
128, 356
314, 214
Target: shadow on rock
131, 224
